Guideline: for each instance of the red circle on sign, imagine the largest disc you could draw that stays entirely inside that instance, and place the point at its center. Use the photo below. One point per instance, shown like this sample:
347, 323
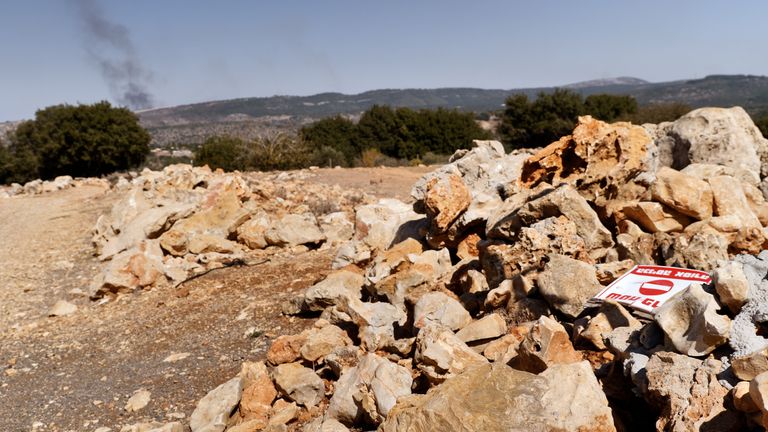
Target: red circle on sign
656, 287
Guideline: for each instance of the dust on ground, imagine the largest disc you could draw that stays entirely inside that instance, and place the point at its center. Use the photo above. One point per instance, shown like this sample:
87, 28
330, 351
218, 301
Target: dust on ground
76, 372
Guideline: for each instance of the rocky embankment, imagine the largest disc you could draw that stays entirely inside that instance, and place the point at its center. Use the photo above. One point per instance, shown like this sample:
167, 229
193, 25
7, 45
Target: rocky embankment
468, 311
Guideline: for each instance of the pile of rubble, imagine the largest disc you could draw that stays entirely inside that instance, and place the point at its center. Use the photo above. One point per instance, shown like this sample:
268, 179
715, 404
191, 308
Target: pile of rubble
469, 312
184, 221
37, 187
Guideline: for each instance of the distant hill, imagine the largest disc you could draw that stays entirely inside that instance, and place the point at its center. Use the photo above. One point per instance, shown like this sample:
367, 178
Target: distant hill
189, 123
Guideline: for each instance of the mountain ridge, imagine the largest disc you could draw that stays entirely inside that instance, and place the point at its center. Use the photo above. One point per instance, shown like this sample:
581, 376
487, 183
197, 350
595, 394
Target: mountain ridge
749, 91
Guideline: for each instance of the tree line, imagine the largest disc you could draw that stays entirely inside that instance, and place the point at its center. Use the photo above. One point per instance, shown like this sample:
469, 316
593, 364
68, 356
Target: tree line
97, 139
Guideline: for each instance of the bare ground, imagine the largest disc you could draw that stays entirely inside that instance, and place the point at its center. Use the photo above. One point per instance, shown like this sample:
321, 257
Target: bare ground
75, 373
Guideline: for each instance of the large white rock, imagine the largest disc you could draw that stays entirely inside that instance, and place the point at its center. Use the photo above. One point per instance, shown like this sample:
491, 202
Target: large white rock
691, 321
212, 411
721, 136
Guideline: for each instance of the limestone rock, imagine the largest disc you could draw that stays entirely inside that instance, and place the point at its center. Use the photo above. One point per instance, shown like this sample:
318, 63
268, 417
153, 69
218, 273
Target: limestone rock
375, 321
341, 284
499, 398
488, 327
135, 268
730, 199
154, 427
721, 136
446, 198
684, 193
437, 308
758, 391
138, 400
552, 202
373, 376
747, 367
295, 229
299, 384
742, 400
384, 223
441, 355
286, 348
212, 411
219, 218
252, 233
546, 344
691, 322
321, 424
322, 342
688, 393
702, 250
595, 157
610, 316
482, 169
706, 171
566, 284
732, 285
654, 217
336, 227
61, 308
526, 254
258, 393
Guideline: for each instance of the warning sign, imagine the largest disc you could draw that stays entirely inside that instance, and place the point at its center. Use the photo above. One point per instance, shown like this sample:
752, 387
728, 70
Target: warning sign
647, 287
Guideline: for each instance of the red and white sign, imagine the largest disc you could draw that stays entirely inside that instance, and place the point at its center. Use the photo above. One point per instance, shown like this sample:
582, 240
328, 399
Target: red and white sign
647, 287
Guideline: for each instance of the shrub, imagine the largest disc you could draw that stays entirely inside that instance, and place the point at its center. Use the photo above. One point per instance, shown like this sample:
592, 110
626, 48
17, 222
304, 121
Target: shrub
278, 152
400, 133
223, 152
82, 140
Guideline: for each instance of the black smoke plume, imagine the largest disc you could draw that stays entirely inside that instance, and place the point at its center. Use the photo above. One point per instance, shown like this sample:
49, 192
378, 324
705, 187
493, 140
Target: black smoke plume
109, 46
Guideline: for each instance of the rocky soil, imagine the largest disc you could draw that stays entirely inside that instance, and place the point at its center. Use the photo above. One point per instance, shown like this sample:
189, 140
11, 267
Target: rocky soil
77, 372
238, 302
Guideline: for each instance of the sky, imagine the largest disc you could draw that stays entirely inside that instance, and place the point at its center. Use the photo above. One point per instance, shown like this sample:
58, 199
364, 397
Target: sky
157, 53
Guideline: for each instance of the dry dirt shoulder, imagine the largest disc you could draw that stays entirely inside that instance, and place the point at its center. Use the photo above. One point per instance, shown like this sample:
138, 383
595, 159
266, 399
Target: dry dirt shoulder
77, 372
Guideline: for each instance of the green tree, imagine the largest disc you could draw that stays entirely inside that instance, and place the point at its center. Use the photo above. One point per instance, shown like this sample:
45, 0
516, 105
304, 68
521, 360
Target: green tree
553, 115
225, 152
379, 128
608, 107
82, 140
336, 133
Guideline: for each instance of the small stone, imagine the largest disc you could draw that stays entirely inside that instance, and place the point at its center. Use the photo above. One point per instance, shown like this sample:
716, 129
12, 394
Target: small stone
546, 344
731, 285
749, 366
62, 308
138, 400
286, 348
176, 357
489, 327
322, 342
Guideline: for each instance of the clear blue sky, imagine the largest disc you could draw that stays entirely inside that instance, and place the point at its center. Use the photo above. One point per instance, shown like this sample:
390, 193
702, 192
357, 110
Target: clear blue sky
190, 51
